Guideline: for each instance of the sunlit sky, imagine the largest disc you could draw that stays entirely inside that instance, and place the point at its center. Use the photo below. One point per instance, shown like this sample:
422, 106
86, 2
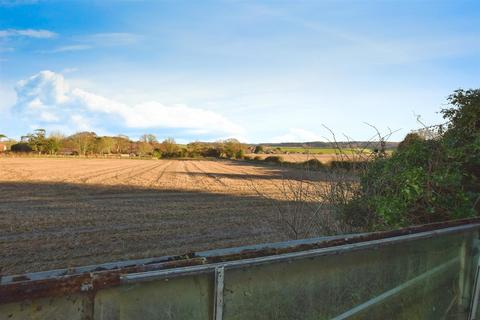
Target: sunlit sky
261, 71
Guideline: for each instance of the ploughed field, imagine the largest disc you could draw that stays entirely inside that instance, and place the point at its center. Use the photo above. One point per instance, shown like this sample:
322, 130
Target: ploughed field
57, 213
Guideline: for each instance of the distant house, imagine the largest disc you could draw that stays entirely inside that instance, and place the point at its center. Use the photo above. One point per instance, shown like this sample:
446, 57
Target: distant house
3, 147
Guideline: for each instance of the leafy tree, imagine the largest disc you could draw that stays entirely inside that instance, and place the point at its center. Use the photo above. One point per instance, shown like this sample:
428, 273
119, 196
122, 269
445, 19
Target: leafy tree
83, 142
144, 148
37, 140
462, 136
234, 149
169, 148
205, 149
122, 144
51, 146
54, 142
196, 149
104, 145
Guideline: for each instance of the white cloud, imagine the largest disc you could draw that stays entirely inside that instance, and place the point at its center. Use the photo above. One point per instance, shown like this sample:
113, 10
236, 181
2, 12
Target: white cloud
75, 47
32, 33
112, 38
298, 135
97, 40
149, 114
47, 99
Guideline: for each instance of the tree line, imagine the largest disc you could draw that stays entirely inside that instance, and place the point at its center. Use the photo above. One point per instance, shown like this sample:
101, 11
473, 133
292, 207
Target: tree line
89, 143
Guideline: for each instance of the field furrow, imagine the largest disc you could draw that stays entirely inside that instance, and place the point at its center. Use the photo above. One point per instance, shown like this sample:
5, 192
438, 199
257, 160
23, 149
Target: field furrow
66, 212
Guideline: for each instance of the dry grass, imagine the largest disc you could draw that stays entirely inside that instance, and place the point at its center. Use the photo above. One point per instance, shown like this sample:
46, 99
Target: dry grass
67, 212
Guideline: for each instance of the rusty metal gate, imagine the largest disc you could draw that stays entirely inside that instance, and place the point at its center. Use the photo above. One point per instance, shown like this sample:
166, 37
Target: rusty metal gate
423, 272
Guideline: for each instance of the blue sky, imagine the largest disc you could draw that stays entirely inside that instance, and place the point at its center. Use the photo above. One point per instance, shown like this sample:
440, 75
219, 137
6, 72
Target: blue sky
257, 70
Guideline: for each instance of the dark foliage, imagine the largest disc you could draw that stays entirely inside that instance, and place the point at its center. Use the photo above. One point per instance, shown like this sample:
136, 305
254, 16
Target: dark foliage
21, 147
425, 180
274, 159
313, 164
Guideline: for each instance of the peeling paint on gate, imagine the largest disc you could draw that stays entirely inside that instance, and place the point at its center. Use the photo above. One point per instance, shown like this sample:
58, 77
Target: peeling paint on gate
184, 286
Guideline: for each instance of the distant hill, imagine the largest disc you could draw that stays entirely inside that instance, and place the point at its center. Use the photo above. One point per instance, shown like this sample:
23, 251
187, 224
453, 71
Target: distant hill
322, 144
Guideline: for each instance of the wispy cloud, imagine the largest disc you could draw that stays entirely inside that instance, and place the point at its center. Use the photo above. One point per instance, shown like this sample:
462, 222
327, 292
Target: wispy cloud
352, 46
74, 47
31, 33
111, 39
97, 40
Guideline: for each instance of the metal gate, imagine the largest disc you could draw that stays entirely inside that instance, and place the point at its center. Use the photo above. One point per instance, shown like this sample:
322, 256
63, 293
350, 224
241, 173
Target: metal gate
424, 272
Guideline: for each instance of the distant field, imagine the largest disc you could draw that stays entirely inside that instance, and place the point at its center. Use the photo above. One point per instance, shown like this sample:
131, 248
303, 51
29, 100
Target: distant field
68, 212
309, 150
298, 157
328, 151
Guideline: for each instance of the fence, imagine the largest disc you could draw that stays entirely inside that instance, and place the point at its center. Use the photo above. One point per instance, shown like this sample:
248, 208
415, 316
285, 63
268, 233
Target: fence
426, 272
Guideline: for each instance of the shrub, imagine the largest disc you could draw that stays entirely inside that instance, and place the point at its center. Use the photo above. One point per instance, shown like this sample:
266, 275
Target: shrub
21, 147
247, 158
418, 184
258, 149
273, 159
409, 140
426, 180
157, 154
233, 149
212, 152
312, 164
347, 164
257, 158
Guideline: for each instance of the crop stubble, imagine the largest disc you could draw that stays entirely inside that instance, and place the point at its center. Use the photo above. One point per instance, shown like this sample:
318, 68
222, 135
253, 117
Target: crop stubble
58, 213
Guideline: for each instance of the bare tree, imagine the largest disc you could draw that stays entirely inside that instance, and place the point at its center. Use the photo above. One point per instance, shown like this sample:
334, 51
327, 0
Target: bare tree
148, 138
310, 200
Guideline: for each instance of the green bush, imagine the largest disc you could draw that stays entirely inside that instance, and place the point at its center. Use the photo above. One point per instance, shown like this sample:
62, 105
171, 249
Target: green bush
157, 154
416, 185
425, 180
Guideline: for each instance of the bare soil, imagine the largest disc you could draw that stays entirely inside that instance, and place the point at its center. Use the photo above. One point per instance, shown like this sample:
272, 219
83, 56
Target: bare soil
57, 213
